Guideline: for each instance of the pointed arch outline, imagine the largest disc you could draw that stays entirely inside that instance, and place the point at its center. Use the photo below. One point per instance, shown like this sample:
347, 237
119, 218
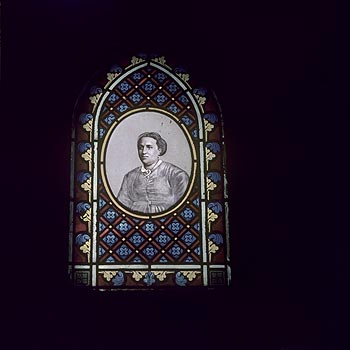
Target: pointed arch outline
210, 211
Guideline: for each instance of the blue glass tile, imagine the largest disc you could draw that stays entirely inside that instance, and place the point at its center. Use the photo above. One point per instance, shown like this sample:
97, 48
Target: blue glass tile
110, 239
149, 227
123, 251
101, 226
113, 98
188, 214
110, 215
148, 86
187, 120
175, 226
188, 238
124, 87
124, 227
160, 77
137, 76
101, 251
110, 119
150, 251
136, 97
176, 251
136, 239
161, 98
123, 107
173, 108
163, 239
172, 87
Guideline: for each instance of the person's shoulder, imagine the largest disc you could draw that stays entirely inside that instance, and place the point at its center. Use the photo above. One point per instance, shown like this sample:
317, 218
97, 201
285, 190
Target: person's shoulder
173, 167
133, 172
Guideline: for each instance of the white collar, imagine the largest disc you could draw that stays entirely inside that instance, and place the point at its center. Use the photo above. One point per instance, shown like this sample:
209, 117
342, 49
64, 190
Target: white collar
148, 171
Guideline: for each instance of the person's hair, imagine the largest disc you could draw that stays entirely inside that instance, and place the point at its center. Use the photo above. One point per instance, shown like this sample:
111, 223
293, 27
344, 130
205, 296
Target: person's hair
161, 143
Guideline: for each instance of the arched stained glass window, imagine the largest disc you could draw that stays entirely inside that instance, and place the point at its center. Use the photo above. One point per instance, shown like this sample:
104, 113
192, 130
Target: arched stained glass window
148, 183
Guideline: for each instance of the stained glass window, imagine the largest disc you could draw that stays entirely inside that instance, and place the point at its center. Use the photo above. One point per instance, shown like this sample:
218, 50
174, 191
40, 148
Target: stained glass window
148, 182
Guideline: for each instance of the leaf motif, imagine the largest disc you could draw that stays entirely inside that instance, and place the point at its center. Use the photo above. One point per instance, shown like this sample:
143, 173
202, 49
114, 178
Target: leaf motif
180, 279
111, 76
214, 176
82, 238
88, 126
212, 247
216, 238
184, 77
137, 275
119, 279
85, 117
136, 60
210, 185
209, 155
201, 99
201, 91
213, 146
208, 126
191, 275
85, 248
83, 176
211, 117
149, 278
216, 207
211, 215
161, 275
87, 155
160, 60
108, 275
94, 99
83, 147
87, 216
82, 207
86, 186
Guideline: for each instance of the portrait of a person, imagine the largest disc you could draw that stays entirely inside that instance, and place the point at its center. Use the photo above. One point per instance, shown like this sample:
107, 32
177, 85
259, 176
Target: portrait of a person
156, 185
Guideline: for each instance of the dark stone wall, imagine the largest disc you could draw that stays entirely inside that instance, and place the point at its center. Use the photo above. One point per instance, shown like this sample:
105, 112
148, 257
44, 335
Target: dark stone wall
273, 68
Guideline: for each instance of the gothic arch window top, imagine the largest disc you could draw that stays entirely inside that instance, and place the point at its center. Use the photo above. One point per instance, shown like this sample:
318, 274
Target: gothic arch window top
148, 186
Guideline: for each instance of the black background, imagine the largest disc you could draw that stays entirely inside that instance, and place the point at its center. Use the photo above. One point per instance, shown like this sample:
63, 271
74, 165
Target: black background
273, 67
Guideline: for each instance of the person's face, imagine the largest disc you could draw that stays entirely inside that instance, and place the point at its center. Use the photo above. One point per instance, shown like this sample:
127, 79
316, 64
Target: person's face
148, 151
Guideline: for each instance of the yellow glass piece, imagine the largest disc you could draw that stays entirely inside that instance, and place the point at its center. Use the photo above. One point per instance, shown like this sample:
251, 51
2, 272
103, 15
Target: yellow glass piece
85, 248
136, 60
86, 186
160, 60
94, 99
87, 156
190, 275
88, 126
210, 186
108, 275
212, 248
112, 76
211, 217
137, 275
87, 216
201, 99
185, 77
209, 156
161, 275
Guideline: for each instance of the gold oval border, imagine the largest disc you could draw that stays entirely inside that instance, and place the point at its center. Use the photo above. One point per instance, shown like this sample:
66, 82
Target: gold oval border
103, 155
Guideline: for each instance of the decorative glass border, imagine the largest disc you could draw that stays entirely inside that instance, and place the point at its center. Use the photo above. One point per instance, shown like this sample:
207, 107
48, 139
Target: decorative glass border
98, 222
